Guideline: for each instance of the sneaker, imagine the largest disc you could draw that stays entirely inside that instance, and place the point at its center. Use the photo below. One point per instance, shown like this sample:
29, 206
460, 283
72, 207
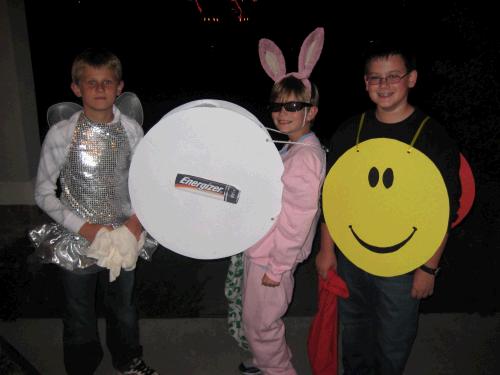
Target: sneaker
247, 369
139, 367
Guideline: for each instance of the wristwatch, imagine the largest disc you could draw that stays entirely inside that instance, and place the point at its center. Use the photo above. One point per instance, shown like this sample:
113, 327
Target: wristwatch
429, 270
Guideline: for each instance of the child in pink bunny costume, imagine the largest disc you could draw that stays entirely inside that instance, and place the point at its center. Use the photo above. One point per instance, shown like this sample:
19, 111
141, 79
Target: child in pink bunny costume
269, 265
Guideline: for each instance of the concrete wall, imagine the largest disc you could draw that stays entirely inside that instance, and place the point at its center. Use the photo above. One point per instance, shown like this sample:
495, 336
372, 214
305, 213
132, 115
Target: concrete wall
19, 135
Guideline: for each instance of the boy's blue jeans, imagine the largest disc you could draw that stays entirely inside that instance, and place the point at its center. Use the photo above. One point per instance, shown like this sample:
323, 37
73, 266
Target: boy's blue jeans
379, 321
82, 348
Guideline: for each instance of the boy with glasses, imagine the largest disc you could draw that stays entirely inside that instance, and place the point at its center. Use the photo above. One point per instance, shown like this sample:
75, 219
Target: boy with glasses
379, 319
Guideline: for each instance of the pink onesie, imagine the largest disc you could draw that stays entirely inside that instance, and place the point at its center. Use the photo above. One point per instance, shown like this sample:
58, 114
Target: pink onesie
287, 244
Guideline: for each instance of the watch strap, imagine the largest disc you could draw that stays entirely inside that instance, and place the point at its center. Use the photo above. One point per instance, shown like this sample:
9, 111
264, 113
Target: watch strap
429, 270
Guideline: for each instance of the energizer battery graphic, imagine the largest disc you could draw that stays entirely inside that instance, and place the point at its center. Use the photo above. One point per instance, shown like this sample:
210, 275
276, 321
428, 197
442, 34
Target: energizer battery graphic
206, 187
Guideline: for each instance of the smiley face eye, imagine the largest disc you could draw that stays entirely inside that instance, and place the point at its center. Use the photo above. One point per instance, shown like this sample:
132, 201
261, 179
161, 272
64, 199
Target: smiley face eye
388, 178
373, 177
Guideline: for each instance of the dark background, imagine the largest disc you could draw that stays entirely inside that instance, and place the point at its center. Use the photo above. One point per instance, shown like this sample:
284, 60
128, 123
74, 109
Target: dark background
170, 56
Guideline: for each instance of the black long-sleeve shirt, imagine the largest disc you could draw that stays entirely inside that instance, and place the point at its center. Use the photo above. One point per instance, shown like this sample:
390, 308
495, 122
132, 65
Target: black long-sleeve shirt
433, 141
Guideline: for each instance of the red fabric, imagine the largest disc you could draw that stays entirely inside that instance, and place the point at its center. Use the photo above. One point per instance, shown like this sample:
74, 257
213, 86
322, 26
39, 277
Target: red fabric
323, 333
468, 190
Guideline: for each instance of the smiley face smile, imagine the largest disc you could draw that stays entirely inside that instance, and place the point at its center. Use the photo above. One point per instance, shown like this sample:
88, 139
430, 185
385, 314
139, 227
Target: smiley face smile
385, 249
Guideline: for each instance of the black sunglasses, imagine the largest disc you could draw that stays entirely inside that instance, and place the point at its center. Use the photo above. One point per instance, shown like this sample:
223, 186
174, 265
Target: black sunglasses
289, 106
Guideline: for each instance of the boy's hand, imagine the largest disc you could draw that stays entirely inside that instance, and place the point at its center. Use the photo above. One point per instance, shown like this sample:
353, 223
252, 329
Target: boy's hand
325, 260
266, 281
423, 284
134, 226
89, 230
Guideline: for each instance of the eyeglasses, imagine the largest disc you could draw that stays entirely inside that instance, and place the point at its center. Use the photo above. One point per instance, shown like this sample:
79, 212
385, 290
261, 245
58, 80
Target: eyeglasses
390, 79
289, 106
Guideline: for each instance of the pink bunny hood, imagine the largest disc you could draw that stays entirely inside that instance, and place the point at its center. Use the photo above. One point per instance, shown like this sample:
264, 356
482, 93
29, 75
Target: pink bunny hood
273, 61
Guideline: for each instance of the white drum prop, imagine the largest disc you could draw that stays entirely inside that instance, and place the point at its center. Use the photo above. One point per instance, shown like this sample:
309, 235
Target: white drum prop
205, 181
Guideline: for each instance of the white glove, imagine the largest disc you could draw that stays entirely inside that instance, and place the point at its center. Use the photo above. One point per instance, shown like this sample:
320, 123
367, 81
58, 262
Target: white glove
99, 248
116, 249
127, 245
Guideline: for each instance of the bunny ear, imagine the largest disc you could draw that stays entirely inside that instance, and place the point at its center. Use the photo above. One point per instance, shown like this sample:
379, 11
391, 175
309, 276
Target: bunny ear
310, 51
272, 59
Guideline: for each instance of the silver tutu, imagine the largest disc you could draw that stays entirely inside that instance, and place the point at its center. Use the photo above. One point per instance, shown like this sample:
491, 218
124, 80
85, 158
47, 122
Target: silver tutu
55, 244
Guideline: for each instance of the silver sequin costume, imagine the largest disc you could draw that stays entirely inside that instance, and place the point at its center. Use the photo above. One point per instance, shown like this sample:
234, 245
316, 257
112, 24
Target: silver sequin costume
94, 185
94, 178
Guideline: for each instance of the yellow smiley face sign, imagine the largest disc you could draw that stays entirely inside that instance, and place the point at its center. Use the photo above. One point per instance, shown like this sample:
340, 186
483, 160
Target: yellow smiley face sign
386, 206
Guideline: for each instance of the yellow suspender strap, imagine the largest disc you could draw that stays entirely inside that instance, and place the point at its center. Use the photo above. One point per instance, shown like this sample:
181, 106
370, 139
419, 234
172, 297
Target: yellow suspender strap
422, 124
360, 126
417, 133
